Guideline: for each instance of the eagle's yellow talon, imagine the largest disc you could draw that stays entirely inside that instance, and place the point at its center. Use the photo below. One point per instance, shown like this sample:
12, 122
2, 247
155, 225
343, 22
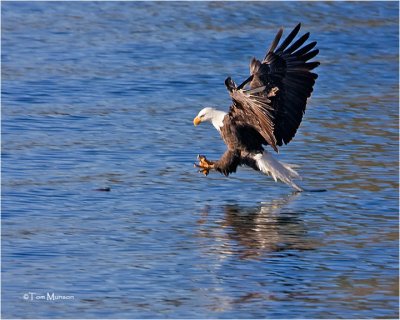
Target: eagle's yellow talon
204, 165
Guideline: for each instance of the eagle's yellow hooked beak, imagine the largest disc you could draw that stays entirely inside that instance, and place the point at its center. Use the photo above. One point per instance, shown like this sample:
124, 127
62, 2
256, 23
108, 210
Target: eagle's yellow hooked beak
196, 121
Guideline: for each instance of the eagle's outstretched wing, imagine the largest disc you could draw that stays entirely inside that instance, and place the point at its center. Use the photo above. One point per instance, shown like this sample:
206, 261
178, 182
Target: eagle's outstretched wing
279, 86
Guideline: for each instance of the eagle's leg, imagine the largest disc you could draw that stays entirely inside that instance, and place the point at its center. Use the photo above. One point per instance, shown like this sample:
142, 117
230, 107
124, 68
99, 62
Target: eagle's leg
204, 165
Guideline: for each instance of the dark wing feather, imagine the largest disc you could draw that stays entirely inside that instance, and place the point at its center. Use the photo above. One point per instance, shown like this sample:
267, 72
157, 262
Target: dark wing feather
279, 87
288, 39
297, 44
255, 110
276, 41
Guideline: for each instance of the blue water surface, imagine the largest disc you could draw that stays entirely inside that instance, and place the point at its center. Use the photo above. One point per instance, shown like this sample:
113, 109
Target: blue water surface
99, 95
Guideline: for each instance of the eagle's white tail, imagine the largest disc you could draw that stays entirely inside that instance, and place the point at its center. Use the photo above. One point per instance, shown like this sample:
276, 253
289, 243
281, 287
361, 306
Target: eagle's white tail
276, 169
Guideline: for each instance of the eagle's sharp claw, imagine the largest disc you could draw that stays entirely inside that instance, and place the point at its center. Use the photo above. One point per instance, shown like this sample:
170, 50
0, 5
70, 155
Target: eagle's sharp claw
204, 164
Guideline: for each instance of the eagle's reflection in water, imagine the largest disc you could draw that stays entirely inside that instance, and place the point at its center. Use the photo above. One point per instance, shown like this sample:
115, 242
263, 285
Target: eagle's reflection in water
269, 227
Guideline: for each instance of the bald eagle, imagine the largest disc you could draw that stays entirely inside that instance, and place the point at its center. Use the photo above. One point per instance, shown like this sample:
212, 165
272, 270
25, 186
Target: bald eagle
266, 109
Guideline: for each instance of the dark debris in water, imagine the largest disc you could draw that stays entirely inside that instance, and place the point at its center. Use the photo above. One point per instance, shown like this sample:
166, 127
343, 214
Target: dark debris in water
106, 189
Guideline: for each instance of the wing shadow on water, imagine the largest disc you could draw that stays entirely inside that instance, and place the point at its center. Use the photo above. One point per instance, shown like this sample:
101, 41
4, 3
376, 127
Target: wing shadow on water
269, 227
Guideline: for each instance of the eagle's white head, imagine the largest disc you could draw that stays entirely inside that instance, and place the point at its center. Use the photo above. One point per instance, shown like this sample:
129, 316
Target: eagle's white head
216, 117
